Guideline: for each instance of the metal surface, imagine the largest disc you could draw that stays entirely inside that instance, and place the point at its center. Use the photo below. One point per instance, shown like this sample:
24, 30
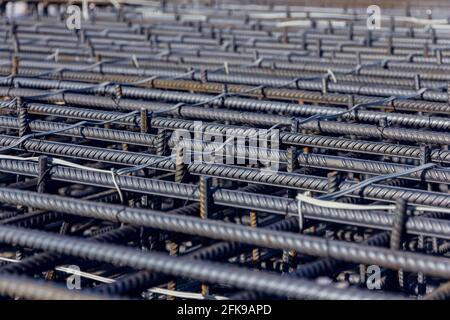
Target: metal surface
214, 151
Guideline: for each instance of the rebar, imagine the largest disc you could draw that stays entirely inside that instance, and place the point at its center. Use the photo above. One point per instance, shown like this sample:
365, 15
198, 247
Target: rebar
224, 151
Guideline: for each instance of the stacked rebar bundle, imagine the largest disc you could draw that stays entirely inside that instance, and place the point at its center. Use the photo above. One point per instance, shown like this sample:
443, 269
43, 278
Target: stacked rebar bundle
213, 151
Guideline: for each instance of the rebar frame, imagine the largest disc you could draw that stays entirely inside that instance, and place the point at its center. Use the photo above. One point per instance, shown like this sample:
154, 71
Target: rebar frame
140, 149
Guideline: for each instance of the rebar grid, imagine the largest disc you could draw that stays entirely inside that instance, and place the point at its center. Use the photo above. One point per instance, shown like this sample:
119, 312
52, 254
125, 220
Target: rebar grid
175, 151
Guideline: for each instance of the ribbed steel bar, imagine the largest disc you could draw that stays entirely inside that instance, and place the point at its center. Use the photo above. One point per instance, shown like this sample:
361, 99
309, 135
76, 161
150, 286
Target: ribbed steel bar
327, 142
265, 282
407, 120
330, 127
309, 160
282, 206
408, 82
93, 133
299, 181
310, 245
283, 142
280, 94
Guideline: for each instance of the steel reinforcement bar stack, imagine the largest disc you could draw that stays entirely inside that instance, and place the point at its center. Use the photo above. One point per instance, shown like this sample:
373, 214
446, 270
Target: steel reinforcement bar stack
164, 150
